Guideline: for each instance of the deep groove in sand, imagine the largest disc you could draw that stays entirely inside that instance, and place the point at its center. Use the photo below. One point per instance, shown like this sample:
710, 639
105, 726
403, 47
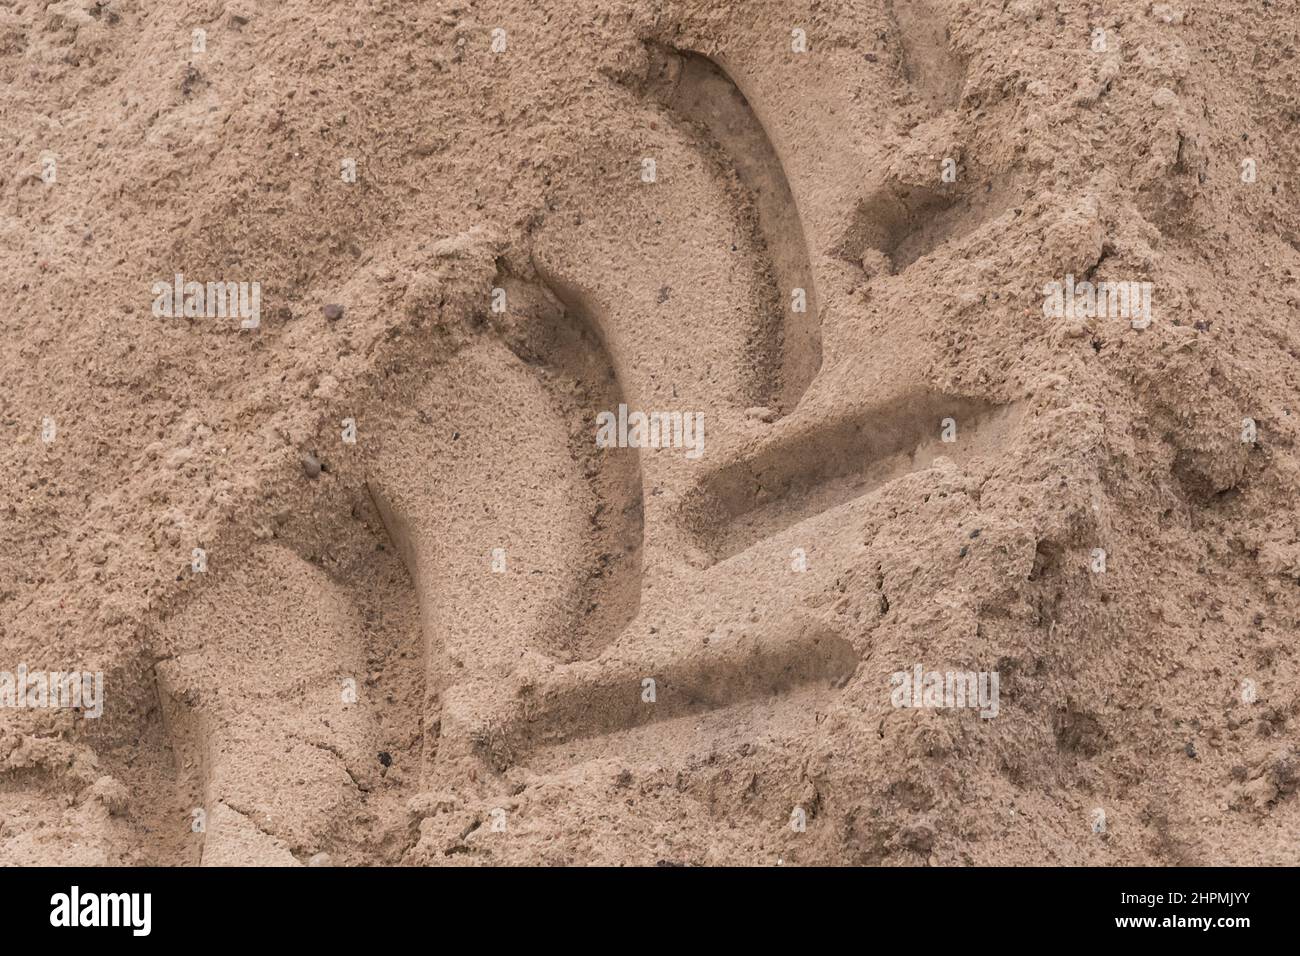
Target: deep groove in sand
699, 91
812, 471
552, 332
898, 223
558, 332
581, 348
602, 697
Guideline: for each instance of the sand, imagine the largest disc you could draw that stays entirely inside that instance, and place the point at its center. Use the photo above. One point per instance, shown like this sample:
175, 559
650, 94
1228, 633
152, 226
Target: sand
361, 583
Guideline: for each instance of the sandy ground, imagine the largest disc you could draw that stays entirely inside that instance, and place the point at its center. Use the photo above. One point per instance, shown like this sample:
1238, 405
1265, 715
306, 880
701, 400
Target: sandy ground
364, 588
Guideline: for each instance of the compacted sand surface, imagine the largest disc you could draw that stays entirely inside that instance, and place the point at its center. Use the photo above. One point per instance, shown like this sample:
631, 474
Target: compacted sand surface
698, 432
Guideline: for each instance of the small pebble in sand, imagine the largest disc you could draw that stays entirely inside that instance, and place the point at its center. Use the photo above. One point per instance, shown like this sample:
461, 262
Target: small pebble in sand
111, 792
760, 413
311, 466
1164, 98
1168, 13
332, 312
321, 859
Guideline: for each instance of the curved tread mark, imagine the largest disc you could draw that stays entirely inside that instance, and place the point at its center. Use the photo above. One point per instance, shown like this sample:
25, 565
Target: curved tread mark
563, 333
700, 92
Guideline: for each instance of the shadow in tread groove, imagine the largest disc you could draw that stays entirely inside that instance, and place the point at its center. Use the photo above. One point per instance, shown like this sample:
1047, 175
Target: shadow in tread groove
898, 223
806, 473
700, 92
553, 327
607, 695
504, 460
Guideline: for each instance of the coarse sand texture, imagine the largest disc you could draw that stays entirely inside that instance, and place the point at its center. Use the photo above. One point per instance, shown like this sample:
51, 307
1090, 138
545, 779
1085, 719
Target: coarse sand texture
535, 432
